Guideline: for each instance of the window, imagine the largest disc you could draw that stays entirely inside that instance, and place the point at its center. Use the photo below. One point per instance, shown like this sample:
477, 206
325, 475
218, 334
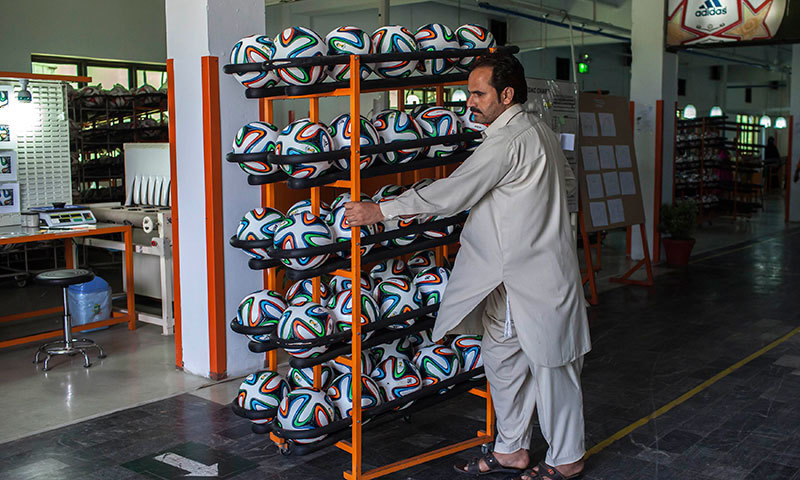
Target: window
104, 72
56, 69
107, 77
153, 78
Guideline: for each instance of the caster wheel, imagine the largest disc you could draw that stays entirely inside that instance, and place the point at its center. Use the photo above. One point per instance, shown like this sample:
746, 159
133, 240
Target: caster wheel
21, 282
486, 448
285, 449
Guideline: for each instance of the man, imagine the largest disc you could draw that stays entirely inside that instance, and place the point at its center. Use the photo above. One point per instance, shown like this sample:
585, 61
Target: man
516, 279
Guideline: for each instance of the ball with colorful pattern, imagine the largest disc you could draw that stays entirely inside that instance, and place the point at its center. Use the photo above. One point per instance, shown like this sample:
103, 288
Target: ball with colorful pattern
394, 39
396, 378
343, 233
304, 137
435, 37
387, 191
438, 232
254, 49
421, 183
348, 41
341, 394
260, 309
304, 206
395, 348
341, 308
392, 224
340, 130
436, 363
305, 409
437, 122
299, 42
340, 363
421, 260
302, 231
470, 124
259, 224
307, 321
393, 126
256, 137
389, 268
430, 285
396, 296
262, 390
339, 283
303, 291
468, 350
345, 197
471, 36
304, 377
415, 341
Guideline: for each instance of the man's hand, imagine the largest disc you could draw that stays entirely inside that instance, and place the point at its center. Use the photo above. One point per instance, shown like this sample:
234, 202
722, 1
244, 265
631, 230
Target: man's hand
362, 213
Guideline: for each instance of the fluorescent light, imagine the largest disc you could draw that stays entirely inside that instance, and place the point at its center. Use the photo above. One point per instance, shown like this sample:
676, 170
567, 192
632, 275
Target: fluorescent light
780, 122
716, 111
765, 121
689, 112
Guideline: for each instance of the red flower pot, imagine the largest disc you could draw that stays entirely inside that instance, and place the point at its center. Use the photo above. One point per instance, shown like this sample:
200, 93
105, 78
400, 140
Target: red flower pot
678, 251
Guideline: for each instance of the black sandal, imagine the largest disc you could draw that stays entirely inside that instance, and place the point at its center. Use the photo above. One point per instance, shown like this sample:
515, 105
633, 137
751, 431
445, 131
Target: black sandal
473, 466
546, 472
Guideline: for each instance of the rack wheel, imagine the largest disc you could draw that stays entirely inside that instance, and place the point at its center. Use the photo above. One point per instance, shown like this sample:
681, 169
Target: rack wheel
285, 449
487, 447
21, 280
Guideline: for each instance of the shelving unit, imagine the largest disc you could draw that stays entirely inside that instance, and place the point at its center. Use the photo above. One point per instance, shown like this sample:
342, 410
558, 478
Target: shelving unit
352, 427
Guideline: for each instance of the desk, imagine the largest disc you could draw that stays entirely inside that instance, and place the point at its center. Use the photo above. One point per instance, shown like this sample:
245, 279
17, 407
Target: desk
19, 234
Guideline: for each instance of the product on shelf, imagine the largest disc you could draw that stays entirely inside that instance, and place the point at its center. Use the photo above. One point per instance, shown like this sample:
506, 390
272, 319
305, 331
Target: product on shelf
305, 409
303, 137
259, 224
396, 295
340, 129
436, 122
436, 363
342, 232
430, 285
436, 37
470, 124
147, 95
345, 197
299, 42
304, 206
394, 39
418, 340
396, 378
306, 321
341, 394
256, 137
421, 183
262, 390
254, 49
304, 377
260, 309
387, 191
303, 291
339, 283
92, 96
395, 348
341, 308
366, 363
393, 125
302, 231
117, 97
392, 267
389, 225
348, 40
421, 260
473, 36
440, 231
468, 350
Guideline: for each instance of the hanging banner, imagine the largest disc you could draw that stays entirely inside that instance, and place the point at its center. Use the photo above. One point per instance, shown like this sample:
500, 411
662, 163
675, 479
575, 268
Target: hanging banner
721, 23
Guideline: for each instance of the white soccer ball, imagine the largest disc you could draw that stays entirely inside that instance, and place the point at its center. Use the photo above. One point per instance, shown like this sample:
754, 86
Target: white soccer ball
468, 351
304, 206
436, 363
395, 224
260, 309
394, 125
394, 39
395, 348
299, 42
348, 41
395, 296
472, 36
430, 285
390, 268
341, 394
305, 409
396, 378
306, 321
341, 308
304, 137
345, 197
387, 191
421, 260
302, 291
339, 283
259, 224
256, 137
437, 122
342, 232
470, 124
254, 49
436, 37
440, 231
303, 231
421, 183
262, 390
339, 365
340, 129
304, 377
415, 341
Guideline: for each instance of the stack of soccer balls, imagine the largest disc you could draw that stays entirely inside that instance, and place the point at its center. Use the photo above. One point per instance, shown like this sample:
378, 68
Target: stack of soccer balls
302, 42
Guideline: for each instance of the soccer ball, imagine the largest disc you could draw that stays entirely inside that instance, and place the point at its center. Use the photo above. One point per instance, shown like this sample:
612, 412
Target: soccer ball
254, 49
340, 131
348, 41
390, 268
422, 260
303, 137
305, 409
394, 39
341, 394
440, 231
393, 125
396, 378
341, 308
345, 197
396, 296
437, 122
339, 284
470, 124
262, 390
396, 348
306, 321
304, 206
299, 42
302, 292
341, 231
366, 363
708, 22
430, 285
302, 231
92, 97
260, 309
418, 340
468, 350
436, 363
394, 224
259, 224
387, 191
472, 36
304, 377
436, 37
256, 137
421, 183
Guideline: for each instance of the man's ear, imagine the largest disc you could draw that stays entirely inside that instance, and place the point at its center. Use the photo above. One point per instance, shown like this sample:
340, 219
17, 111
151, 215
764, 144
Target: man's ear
507, 96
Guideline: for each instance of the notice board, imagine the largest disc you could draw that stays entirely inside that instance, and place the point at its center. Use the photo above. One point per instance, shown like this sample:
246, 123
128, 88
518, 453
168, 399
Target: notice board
610, 195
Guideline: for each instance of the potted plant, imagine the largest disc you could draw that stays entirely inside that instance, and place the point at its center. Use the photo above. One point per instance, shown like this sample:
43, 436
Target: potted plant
678, 222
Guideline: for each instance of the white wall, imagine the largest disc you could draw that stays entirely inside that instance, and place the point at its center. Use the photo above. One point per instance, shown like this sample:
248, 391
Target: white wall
107, 29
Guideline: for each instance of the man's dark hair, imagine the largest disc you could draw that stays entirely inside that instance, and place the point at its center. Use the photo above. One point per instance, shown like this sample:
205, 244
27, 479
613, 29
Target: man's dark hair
506, 72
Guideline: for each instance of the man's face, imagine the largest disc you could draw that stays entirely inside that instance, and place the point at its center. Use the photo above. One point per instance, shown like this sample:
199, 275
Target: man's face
483, 100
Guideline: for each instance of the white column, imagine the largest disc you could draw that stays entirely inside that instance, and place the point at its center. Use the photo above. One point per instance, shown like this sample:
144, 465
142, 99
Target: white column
654, 76
197, 28
794, 108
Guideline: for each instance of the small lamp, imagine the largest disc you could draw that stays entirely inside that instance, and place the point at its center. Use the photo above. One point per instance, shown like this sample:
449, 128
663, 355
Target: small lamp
689, 112
780, 122
716, 111
765, 121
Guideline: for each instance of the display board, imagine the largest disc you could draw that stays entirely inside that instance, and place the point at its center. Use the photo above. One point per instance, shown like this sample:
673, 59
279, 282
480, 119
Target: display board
556, 103
609, 178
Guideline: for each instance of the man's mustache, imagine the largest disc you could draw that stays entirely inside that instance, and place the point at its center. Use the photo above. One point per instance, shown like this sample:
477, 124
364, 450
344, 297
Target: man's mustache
475, 110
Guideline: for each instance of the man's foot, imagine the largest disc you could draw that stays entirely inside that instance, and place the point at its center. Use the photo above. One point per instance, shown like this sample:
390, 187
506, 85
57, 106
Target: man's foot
559, 472
496, 463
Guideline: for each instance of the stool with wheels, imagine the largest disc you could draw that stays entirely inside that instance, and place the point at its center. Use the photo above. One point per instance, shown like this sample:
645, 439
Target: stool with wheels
69, 345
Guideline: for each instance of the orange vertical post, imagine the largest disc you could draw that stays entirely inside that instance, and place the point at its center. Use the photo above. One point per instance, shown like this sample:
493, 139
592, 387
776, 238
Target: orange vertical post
657, 184
173, 194
130, 290
313, 114
215, 245
266, 114
69, 255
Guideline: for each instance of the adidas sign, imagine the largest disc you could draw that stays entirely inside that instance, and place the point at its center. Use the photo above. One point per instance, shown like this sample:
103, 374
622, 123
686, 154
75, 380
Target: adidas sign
709, 8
